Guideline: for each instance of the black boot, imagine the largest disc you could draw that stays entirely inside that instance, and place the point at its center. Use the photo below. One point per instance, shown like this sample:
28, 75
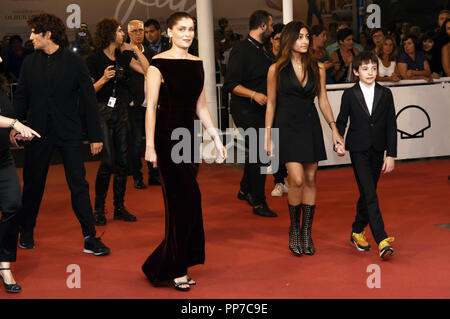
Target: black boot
99, 212
307, 220
122, 214
294, 230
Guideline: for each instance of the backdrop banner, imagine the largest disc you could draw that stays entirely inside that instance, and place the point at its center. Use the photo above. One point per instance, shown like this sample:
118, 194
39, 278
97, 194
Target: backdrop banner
423, 118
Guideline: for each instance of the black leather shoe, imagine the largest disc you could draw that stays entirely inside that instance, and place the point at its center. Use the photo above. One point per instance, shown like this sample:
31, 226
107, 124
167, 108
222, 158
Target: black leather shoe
100, 219
247, 197
154, 181
139, 184
26, 240
13, 288
122, 214
263, 210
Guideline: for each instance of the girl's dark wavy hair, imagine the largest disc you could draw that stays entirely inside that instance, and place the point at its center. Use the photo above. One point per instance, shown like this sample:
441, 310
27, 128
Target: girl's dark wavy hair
105, 32
289, 36
41, 23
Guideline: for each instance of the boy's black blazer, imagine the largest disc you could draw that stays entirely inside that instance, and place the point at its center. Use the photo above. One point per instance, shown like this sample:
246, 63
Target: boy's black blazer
378, 130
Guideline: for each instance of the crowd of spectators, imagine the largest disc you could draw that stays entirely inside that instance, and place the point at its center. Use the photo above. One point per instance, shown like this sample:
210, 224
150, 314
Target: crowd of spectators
405, 51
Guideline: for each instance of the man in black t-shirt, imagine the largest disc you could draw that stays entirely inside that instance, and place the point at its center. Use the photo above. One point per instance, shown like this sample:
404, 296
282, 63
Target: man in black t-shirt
246, 79
109, 68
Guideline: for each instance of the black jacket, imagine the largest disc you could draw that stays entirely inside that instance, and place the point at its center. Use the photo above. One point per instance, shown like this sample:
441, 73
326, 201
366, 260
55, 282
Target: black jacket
378, 130
165, 44
65, 99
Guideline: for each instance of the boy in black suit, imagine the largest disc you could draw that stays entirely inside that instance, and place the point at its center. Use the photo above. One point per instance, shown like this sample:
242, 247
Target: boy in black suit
372, 130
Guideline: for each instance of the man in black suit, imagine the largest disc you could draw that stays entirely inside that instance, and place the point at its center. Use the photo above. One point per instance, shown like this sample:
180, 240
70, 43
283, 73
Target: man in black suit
136, 109
372, 130
153, 39
54, 91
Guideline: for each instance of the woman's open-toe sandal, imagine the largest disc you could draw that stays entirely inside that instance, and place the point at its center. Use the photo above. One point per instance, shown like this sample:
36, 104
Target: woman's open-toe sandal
191, 281
178, 285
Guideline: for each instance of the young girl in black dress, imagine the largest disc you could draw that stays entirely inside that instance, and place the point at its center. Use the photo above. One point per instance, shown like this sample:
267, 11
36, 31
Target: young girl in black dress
292, 84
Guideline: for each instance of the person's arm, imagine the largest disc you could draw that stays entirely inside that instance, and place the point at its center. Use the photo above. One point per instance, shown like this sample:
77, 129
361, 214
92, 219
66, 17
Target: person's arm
421, 74
26, 132
446, 59
403, 70
339, 70
152, 84
271, 106
342, 119
89, 100
204, 116
141, 64
391, 127
325, 108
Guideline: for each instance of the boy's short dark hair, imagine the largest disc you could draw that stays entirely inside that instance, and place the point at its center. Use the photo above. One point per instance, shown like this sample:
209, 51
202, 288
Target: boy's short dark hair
152, 22
364, 57
257, 18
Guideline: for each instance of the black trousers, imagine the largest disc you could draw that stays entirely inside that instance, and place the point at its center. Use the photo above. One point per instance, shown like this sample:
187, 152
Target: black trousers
115, 129
38, 153
367, 168
136, 116
10, 206
280, 175
250, 115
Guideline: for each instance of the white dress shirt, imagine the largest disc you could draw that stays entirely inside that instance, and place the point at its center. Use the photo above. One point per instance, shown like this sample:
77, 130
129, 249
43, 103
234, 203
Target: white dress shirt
368, 92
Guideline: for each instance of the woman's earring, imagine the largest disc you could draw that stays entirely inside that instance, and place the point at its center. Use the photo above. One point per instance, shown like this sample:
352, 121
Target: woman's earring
170, 39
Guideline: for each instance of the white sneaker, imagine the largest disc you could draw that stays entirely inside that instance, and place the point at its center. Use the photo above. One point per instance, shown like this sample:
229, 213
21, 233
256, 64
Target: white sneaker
278, 190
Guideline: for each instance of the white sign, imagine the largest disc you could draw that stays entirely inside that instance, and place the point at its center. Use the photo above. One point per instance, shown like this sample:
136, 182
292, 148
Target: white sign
423, 118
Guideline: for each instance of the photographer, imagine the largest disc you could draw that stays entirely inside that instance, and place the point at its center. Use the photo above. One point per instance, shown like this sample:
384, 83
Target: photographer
109, 68
83, 44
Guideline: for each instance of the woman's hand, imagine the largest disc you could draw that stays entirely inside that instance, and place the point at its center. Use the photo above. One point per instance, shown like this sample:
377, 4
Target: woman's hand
268, 145
26, 133
109, 73
150, 156
338, 143
221, 150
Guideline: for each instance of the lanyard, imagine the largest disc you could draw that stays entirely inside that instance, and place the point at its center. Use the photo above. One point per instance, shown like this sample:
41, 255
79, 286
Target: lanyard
259, 46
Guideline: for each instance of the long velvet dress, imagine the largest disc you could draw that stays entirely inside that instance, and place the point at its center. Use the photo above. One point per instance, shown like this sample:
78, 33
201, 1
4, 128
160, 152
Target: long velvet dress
184, 242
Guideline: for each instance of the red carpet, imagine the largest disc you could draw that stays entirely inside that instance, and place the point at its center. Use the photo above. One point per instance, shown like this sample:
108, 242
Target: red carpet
247, 256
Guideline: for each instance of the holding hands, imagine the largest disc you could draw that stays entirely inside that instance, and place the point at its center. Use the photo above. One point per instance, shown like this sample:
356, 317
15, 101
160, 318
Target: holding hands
388, 165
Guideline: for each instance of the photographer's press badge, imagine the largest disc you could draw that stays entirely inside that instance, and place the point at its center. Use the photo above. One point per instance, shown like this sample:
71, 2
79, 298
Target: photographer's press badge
112, 101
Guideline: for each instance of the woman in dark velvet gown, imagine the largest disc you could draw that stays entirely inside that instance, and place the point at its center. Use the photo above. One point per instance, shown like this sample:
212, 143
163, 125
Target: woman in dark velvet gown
293, 83
175, 79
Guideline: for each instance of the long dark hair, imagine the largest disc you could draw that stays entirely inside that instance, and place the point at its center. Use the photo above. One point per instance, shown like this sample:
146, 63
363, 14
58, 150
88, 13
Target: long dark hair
309, 62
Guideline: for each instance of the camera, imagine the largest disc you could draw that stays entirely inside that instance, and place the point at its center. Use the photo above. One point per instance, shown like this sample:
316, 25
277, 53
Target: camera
120, 72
